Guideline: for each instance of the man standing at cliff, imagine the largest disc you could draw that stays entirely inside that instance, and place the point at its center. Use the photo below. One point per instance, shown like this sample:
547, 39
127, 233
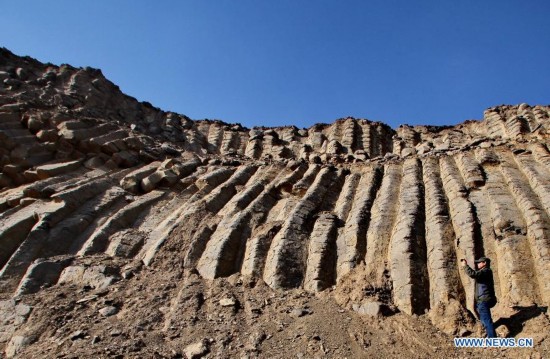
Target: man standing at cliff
485, 292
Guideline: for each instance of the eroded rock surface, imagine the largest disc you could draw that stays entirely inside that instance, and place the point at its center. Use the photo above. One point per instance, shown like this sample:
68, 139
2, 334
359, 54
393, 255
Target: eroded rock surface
100, 192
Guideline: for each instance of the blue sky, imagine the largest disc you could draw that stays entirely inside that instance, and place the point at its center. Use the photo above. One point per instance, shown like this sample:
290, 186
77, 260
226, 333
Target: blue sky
299, 62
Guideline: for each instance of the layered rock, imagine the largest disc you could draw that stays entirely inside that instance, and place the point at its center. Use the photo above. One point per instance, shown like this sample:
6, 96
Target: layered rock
87, 171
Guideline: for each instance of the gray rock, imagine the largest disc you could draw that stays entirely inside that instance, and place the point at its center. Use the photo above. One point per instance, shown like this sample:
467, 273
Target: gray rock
108, 311
94, 162
79, 334
159, 177
41, 272
17, 344
196, 350
126, 159
169, 150
125, 243
23, 310
300, 312
131, 181
98, 277
372, 309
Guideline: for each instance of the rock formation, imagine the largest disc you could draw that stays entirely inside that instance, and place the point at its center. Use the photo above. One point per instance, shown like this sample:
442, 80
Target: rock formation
93, 183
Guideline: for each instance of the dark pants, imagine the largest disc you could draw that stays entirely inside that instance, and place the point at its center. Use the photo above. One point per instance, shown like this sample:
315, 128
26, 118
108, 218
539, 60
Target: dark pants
485, 317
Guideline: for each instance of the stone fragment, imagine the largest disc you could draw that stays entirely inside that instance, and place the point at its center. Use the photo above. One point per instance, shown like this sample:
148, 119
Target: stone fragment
159, 177
169, 150
300, 312
41, 273
228, 302
125, 243
98, 277
87, 299
502, 331
371, 309
55, 169
408, 151
94, 162
108, 311
126, 159
79, 334
131, 182
196, 350
422, 148
23, 310
17, 344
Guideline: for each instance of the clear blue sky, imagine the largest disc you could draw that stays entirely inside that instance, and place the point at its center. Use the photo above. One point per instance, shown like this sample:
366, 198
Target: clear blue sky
299, 62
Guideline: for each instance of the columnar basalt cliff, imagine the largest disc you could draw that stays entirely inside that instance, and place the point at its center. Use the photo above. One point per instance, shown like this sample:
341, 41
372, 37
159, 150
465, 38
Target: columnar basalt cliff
98, 190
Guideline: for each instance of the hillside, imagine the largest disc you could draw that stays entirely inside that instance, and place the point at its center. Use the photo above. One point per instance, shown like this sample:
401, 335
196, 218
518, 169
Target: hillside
128, 231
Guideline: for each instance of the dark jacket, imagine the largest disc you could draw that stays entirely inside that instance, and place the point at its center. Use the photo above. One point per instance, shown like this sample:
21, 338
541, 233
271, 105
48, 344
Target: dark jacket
485, 287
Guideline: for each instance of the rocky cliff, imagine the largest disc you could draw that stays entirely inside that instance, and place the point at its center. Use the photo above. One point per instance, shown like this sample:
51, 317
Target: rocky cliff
102, 195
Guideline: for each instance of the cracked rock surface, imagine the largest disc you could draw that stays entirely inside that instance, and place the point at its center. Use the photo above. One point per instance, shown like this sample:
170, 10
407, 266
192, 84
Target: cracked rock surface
128, 231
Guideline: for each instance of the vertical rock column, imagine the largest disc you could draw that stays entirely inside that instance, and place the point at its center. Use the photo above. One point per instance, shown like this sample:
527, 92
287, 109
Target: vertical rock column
525, 111
538, 176
321, 259
215, 137
351, 244
540, 152
383, 217
541, 115
407, 253
285, 260
348, 138
224, 252
364, 142
345, 201
446, 292
463, 219
495, 124
515, 260
538, 225
258, 244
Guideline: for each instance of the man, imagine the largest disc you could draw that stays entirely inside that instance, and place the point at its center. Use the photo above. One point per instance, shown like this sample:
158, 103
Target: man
485, 292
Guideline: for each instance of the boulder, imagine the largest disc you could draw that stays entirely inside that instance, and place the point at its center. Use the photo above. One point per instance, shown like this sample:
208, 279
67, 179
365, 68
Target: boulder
371, 308
196, 350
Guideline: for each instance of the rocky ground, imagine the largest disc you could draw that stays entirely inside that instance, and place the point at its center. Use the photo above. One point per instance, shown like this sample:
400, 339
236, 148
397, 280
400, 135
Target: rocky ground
237, 317
127, 231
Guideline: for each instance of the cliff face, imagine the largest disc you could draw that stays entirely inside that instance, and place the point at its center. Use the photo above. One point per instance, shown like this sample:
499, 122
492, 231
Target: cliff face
93, 184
